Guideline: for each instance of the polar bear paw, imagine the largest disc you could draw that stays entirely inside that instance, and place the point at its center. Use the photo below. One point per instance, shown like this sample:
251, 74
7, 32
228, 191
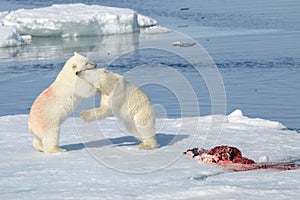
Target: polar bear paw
54, 149
37, 144
148, 144
87, 115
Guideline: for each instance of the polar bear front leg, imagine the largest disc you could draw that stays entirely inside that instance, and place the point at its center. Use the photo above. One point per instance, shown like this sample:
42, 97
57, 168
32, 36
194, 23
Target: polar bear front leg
147, 136
96, 113
50, 142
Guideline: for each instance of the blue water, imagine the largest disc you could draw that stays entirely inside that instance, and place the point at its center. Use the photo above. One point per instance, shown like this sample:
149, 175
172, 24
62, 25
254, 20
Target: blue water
255, 46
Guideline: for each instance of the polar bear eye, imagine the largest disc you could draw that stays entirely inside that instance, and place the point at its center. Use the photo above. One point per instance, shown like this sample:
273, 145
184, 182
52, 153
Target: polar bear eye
74, 66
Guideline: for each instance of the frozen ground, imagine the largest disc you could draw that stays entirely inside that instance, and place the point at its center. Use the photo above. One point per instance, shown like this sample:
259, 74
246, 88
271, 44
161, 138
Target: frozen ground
103, 162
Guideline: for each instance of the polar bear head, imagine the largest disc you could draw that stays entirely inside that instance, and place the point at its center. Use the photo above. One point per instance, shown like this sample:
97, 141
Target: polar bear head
78, 63
105, 81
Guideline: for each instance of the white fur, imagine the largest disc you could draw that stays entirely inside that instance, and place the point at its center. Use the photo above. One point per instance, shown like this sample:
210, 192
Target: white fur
57, 102
125, 101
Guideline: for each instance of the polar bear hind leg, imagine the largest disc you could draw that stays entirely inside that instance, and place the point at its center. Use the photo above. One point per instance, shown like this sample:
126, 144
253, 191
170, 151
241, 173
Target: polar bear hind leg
37, 144
129, 125
148, 143
50, 142
147, 136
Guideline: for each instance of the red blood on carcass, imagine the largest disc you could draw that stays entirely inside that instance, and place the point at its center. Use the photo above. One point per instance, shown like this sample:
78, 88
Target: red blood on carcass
231, 158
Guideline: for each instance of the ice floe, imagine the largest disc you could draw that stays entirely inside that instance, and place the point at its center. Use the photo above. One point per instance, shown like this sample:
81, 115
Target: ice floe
155, 30
73, 20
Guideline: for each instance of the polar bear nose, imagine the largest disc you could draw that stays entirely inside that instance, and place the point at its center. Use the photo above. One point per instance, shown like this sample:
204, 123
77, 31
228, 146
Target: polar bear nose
77, 73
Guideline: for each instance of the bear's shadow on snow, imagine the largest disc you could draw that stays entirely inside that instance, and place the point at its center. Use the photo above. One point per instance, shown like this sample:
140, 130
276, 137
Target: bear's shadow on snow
162, 140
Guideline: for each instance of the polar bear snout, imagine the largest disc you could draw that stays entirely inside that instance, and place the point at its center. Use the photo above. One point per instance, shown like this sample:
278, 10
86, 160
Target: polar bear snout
91, 76
92, 66
78, 73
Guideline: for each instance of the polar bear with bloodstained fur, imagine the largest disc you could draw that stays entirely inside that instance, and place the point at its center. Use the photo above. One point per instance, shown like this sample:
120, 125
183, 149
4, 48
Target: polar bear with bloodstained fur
125, 101
57, 102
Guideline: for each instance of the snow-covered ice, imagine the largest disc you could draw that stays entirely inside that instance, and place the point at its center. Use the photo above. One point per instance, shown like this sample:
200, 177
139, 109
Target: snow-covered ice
69, 20
72, 20
155, 30
2, 15
10, 37
104, 162
145, 21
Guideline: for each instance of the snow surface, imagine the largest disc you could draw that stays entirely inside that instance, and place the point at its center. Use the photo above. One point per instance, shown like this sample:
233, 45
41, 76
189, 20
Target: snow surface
103, 161
72, 20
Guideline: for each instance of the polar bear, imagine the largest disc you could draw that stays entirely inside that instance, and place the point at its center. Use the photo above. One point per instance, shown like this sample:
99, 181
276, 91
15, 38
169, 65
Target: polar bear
125, 101
57, 102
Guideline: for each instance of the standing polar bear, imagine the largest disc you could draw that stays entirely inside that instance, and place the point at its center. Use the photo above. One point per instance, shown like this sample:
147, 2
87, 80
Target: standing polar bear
57, 102
125, 101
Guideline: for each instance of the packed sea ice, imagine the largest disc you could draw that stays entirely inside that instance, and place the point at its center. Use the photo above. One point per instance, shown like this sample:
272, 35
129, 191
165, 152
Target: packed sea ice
73, 20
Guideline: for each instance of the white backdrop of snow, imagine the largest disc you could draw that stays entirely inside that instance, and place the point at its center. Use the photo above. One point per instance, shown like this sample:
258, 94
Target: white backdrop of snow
72, 20
103, 161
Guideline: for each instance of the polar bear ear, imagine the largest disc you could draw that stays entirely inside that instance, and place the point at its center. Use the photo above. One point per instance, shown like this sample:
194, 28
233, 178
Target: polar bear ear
75, 53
